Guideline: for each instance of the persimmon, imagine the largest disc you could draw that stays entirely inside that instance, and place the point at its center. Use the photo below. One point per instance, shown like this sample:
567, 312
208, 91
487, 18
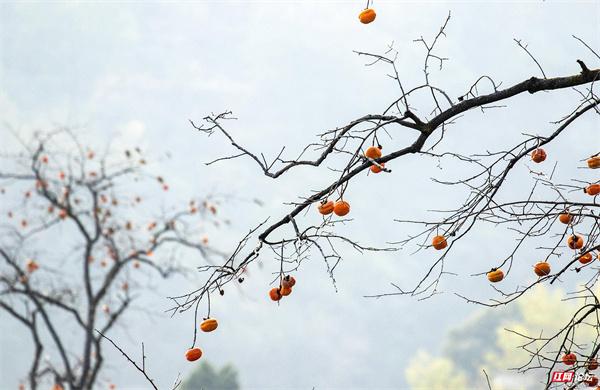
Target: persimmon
209, 325
62, 214
91, 155
165, 187
373, 152
592, 189
585, 258
541, 268
376, 169
538, 155
45, 159
569, 359
575, 241
288, 281
591, 380
275, 294
24, 223
105, 308
592, 364
593, 162
205, 239
31, 266
285, 291
326, 207
61, 175
57, 386
213, 209
193, 354
495, 275
50, 209
366, 16
565, 218
136, 264
439, 242
341, 208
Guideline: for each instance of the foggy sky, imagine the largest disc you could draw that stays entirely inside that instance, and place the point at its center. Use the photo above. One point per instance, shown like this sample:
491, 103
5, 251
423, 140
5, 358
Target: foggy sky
136, 72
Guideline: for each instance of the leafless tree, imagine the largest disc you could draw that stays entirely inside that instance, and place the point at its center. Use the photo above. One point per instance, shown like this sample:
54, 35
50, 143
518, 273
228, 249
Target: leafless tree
79, 245
292, 238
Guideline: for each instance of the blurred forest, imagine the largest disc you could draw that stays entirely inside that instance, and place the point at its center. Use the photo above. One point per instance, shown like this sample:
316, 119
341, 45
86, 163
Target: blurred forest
487, 341
207, 377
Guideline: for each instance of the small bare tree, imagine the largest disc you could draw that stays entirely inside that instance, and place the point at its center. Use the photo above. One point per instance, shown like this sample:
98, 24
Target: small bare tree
76, 243
293, 239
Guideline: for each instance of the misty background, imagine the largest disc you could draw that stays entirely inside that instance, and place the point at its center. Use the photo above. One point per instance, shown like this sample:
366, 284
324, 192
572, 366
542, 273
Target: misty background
133, 73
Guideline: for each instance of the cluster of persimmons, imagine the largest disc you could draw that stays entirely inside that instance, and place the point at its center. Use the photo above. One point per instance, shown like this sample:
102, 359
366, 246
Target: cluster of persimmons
339, 208
574, 241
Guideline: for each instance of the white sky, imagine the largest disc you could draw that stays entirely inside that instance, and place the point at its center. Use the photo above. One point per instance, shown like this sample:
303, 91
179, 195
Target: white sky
136, 72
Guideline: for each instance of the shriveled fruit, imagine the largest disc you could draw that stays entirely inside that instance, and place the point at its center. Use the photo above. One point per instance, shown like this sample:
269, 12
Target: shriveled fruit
538, 155
439, 242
